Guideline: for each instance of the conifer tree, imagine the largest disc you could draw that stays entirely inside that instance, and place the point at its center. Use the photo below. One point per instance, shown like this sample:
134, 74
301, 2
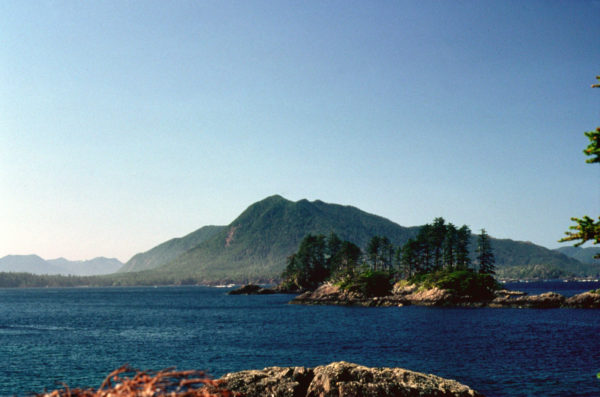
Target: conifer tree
449, 247
373, 249
438, 233
485, 256
463, 238
409, 262
586, 228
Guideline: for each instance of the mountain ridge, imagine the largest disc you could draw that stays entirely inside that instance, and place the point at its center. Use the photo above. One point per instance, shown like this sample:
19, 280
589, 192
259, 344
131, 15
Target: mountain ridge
255, 245
35, 264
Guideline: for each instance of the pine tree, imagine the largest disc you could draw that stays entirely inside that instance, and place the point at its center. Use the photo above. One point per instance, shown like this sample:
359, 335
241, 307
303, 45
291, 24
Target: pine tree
463, 239
449, 247
485, 256
438, 234
409, 258
586, 228
373, 251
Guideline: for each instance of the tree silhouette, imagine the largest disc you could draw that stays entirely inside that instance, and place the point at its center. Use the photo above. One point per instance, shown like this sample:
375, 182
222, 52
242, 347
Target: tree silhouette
585, 228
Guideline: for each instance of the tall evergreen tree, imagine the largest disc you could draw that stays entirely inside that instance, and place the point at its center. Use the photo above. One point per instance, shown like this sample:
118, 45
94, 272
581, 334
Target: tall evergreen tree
449, 247
438, 233
485, 256
463, 239
386, 252
409, 259
307, 268
373, 251
334, 245
586, 229
349, 256
423, 248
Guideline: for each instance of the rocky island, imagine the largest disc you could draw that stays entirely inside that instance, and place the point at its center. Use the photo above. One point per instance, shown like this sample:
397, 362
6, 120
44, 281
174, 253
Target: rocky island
404, 295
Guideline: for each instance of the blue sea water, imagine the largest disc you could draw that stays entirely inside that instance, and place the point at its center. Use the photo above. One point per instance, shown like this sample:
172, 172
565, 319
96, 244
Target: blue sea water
77, 336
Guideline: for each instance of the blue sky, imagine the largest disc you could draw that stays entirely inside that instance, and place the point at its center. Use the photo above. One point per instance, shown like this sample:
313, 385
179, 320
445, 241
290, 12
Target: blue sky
124, 124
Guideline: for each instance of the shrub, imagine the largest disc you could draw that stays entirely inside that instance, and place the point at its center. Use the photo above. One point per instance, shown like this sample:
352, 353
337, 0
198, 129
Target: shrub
147, 383
369, 283
460, 282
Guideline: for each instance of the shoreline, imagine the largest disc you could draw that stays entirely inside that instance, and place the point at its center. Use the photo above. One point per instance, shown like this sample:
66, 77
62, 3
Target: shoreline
411, 295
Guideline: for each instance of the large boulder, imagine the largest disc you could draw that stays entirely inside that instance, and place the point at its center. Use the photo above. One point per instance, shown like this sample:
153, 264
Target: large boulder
341, 379
586, 300
272, 381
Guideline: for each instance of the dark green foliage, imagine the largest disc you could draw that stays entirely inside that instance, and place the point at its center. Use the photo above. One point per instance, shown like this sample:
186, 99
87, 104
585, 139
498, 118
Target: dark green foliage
586, 229
370, 283
438, 245
485, 255
346, 260
449, 247
460, 282
380, 251
437, 236
317, 259
461, 249
264, 235
532, 271
409, 263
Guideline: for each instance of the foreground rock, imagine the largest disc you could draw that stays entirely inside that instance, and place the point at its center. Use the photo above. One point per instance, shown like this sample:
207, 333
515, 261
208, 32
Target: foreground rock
341, 379
252, 289
402, 295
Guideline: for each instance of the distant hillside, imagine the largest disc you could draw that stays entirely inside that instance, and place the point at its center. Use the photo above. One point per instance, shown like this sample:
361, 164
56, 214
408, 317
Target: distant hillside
584, 255
30, 264
169, 250
96, 266
256, 244
36, 265
519, 259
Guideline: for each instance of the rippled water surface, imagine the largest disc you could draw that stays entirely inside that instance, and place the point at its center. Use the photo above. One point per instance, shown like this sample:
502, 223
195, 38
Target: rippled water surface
77, 336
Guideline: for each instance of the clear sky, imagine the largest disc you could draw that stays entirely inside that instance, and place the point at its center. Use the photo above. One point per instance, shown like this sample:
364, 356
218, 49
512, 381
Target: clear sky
127, 123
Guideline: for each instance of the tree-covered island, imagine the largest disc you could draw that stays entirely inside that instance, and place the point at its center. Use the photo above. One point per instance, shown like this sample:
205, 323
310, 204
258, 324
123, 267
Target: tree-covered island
438, 258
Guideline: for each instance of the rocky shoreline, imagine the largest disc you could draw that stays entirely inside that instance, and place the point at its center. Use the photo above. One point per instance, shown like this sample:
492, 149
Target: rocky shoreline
341, 379
404, 295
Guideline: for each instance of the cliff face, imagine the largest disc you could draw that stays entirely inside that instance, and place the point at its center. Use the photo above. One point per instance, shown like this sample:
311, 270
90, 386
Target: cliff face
341, 379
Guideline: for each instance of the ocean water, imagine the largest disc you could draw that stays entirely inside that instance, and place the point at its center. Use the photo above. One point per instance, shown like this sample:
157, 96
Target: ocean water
77, 336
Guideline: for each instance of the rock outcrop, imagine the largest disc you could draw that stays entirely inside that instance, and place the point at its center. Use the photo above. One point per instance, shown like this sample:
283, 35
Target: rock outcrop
406, 294
546, 300
329, 294
341, 379
252, 289
586, 300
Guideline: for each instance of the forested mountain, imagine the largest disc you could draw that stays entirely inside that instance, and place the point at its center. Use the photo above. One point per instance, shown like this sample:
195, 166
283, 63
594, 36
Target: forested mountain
36, 265
169, 250
256, 244
584, 255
